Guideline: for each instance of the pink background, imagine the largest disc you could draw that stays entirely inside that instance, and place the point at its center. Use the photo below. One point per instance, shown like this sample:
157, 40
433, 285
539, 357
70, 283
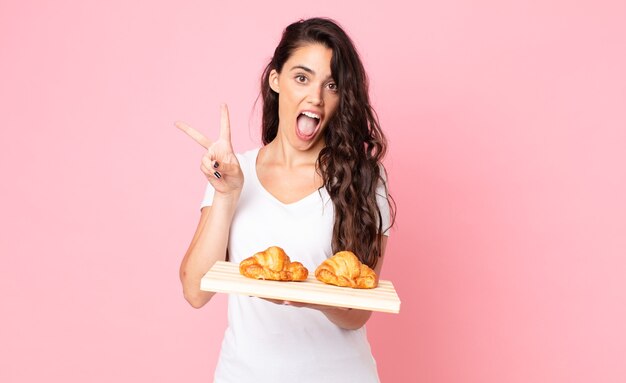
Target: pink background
507, 130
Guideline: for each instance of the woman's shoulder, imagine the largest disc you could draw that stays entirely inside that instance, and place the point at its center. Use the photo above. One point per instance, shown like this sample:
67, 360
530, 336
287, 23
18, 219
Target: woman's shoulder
247, 157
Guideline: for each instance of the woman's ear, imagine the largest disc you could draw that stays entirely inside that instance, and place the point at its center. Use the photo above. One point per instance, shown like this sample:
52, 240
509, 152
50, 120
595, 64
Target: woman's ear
273, 80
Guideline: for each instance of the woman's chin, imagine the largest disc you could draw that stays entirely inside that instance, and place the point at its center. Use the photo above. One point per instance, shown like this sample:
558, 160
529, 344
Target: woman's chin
306, 143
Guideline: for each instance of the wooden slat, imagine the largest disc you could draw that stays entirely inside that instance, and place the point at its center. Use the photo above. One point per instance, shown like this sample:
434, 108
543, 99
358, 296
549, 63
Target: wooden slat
224, 277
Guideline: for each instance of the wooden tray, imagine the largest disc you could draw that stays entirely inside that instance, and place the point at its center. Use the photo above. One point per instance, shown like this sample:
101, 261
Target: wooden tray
224, 277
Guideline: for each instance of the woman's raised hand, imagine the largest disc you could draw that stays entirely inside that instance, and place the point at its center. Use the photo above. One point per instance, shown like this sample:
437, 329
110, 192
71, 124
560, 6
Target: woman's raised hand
219, 163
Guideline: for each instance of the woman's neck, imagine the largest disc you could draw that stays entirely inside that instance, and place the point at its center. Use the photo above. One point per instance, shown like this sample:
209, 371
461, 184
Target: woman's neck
280, 153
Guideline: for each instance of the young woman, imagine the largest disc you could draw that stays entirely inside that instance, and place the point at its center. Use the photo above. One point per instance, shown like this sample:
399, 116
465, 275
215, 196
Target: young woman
315, 187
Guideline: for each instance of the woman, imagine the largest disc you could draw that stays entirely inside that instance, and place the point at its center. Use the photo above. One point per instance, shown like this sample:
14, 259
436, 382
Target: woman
316, 187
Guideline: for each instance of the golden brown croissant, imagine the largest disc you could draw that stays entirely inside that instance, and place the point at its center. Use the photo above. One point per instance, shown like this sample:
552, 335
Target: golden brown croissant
344, 269
273, 264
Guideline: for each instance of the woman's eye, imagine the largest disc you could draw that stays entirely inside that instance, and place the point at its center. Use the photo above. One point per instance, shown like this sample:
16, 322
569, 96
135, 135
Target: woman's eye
301, 78
332, 86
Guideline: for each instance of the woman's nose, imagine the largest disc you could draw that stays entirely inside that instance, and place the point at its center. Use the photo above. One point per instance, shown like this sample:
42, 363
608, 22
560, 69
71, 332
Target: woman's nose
316, 96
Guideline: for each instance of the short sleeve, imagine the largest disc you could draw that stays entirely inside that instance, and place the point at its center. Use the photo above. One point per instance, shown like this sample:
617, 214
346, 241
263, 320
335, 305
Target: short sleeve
208, 196
382, 200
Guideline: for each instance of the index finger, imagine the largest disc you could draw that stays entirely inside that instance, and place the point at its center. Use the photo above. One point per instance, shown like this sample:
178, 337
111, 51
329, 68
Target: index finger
225, 123
194, 134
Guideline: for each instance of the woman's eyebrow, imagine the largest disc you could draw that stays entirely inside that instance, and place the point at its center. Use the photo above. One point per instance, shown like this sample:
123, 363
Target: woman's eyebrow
308, 70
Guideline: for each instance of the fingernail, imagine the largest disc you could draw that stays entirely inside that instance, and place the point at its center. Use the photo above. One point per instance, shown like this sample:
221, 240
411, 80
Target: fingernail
217, 174
216, 164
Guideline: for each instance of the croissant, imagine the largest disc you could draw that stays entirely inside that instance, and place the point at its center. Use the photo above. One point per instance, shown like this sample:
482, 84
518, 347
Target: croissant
344, 269
273, 264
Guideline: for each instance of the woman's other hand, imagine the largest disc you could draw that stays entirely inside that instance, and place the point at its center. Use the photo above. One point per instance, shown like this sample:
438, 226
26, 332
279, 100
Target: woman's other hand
219, 163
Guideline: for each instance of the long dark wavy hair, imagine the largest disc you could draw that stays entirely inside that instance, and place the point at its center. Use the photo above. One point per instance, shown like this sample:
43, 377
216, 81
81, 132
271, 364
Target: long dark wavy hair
350, 163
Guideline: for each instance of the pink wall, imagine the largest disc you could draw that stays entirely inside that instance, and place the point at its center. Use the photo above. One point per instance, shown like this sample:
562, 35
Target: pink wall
507, 129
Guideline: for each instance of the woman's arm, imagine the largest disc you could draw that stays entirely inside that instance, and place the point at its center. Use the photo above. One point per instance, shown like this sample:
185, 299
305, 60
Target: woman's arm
349, 319
354, 319
210, 241
208, 246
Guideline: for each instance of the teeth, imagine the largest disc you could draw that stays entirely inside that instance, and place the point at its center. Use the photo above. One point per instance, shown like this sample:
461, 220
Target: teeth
312, 115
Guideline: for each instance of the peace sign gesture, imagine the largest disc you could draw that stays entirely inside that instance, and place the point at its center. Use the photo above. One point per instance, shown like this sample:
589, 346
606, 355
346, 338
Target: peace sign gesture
219, 163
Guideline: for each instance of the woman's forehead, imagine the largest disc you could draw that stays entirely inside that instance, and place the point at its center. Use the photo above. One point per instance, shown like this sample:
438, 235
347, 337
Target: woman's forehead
311, 58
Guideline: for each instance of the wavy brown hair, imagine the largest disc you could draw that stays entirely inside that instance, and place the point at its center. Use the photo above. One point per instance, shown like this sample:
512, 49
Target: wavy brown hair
350, 163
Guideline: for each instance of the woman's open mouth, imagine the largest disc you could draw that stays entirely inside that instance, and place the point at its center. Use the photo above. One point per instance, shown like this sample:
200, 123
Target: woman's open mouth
307, 124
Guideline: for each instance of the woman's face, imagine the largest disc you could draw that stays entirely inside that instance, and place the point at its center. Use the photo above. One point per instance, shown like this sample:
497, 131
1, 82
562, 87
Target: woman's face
307, 96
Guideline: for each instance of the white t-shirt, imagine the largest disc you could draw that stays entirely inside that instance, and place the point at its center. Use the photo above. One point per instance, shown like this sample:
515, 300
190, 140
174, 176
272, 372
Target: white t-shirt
268, 342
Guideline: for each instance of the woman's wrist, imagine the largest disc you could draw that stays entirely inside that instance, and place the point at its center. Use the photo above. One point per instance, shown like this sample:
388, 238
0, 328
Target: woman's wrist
347, 318
227, 198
